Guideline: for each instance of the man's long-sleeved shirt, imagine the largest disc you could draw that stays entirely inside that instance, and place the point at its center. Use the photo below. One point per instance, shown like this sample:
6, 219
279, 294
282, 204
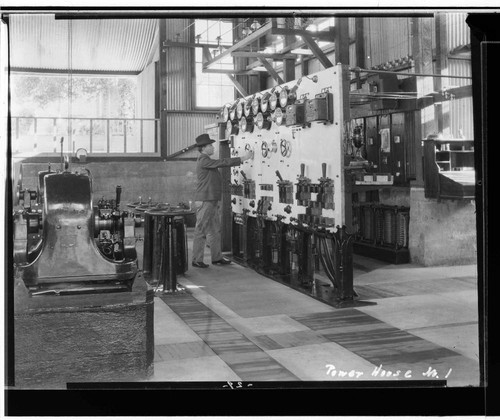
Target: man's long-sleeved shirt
209, 178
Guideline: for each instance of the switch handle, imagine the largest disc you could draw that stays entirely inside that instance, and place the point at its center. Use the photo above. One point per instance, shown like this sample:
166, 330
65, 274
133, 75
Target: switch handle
323, 168
279, 175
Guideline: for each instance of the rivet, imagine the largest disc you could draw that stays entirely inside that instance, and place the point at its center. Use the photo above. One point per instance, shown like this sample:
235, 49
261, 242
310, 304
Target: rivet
78, 227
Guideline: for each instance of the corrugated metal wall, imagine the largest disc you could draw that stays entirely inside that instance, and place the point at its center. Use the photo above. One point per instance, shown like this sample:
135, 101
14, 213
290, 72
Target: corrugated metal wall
146, 85
458, 32
179, 67
41, 41
386, 39
184, 127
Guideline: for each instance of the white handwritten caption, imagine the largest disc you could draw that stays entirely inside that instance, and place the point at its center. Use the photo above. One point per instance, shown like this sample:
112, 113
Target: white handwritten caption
381, 373
232, 385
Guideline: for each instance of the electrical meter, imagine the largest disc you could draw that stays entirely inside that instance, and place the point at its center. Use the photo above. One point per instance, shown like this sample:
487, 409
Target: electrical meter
239, 110
262, 122
247, 108
273, 101
231, 129
232, 112
246, 126
255, 105
278, 116
284, 98
225, 113
264, 102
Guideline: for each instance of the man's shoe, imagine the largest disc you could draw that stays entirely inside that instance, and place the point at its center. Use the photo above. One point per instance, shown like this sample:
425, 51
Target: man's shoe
223, 261
199, 264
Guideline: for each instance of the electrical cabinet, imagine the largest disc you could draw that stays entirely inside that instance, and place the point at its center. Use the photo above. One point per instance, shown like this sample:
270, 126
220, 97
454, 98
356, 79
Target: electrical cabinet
288, 203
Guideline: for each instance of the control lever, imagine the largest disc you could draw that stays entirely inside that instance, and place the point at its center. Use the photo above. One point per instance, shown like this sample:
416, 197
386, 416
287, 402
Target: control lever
323, 168
243, 175
279, 176
302, 170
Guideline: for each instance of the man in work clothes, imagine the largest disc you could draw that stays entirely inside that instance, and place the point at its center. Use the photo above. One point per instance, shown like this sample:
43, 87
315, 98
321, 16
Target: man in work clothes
207, 196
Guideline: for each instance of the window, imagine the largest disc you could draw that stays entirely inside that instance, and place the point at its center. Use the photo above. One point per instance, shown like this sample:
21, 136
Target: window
213, 89
98, 115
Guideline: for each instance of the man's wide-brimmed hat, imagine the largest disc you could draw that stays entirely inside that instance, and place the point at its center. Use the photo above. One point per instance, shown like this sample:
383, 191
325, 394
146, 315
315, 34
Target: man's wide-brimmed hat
204, 139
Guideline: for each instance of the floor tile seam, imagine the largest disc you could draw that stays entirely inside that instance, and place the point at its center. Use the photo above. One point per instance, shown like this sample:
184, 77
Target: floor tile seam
221, 355
449, 325
356, 352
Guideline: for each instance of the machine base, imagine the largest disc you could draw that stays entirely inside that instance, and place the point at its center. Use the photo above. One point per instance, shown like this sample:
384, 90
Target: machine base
393, 256
320, 289
99, 337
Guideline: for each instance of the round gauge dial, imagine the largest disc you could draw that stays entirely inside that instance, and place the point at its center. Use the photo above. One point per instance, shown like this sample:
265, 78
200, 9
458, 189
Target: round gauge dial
259, 120
248, 108
284, 98
243, 124
273, 101
255, 106
264, 103
239, 110
225, 113
278, 116
232, 112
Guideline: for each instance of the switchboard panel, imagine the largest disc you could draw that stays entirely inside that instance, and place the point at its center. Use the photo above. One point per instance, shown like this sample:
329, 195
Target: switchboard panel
295, 132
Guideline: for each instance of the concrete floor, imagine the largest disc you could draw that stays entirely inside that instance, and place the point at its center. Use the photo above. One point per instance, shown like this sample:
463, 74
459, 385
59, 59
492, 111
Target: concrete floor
232, 324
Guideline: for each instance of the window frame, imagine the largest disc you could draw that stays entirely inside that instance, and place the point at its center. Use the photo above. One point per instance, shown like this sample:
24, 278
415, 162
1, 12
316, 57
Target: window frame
195, 106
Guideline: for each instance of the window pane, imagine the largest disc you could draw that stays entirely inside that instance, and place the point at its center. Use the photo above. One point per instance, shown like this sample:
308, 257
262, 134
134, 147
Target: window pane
214, 89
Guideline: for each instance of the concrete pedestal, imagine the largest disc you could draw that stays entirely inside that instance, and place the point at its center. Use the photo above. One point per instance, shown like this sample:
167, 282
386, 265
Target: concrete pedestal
83, 338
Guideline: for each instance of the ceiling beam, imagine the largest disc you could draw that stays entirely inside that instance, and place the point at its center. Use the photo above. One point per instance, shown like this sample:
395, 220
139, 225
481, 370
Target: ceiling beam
254, 36
271, 71
274, 56
321, 35
230, 71
318, 52
238, 86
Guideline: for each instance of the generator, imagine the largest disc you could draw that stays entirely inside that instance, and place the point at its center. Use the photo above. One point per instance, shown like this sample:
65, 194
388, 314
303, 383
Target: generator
64, 244
287, 203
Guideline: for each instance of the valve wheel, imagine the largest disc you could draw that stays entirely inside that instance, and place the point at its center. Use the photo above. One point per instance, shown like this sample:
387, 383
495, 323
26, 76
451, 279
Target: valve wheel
247, 147
284, 148
264, 149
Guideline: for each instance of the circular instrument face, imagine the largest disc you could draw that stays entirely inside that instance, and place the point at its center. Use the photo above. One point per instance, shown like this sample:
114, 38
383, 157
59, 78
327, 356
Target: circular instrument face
273, 101
229, 129
248, 108
255, 106
259, 120
284, 98
232, 113
278, 116
243, 124
225, 113
239, 110
264, 103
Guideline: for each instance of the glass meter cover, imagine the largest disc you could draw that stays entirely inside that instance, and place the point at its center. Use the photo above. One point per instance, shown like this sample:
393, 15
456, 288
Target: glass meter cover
239, 109
255, 106
273, 101
284, 98
248, 108
278, 116
225, 113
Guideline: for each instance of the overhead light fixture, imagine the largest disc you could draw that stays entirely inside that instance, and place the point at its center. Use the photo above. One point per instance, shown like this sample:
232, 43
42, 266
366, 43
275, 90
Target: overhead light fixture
302, 51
